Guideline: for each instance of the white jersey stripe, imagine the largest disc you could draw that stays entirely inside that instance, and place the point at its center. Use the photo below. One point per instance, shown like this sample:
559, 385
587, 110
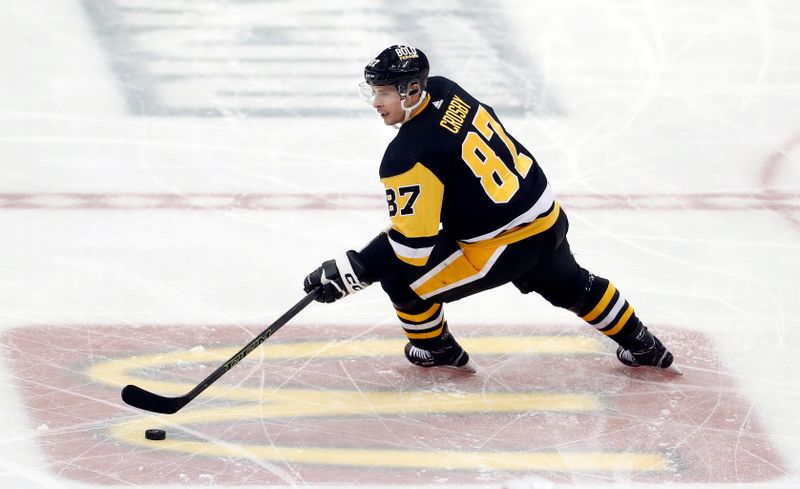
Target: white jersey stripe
409, 252
541, 206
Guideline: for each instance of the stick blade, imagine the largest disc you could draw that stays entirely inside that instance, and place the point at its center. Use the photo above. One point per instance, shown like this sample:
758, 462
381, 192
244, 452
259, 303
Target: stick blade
148, 401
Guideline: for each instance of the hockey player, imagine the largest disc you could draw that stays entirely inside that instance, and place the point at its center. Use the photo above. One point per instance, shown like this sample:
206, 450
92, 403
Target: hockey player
470, 210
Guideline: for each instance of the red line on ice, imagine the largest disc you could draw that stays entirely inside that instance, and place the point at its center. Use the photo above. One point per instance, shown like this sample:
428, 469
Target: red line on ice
770, 173
710, 201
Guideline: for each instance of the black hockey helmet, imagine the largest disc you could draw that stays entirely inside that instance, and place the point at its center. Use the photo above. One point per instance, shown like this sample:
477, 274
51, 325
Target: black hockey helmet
400, 66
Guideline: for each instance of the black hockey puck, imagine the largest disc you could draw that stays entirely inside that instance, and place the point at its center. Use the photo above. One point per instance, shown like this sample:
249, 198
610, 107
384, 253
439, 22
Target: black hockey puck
155, 434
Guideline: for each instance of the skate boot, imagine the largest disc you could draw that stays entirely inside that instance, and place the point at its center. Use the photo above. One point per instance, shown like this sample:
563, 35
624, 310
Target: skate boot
451, 355
649, 352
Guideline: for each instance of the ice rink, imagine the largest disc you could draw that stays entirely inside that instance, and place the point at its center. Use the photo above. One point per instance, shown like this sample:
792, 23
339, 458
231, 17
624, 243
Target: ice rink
171, 170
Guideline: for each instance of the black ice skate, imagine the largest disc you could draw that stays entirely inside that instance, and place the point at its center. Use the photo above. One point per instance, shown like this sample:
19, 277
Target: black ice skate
655, 355
452, 356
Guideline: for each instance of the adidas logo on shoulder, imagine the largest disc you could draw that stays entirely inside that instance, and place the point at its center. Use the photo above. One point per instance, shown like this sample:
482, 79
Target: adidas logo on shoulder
438, 104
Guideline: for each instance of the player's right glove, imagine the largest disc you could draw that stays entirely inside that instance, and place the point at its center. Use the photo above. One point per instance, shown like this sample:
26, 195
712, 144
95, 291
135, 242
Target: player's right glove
337, 278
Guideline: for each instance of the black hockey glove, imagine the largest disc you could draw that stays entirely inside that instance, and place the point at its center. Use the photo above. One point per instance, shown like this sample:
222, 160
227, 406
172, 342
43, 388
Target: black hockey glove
337, 278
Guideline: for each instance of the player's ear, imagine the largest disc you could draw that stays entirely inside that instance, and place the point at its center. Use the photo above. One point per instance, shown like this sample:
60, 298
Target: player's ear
413, 89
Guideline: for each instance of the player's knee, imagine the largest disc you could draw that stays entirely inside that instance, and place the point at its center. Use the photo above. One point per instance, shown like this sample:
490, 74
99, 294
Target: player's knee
399, 292
525, 284
570, 294
592, 292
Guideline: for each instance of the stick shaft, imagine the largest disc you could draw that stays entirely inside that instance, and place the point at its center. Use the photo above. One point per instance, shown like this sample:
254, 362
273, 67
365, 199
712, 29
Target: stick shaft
262, 337
149, 401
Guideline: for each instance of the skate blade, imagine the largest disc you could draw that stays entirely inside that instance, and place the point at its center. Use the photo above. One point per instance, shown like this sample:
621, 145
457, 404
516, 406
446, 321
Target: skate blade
673, 369
469, 367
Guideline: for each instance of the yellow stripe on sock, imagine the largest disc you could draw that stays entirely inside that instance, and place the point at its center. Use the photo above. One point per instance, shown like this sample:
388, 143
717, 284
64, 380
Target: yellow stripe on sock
621, 323
425, 336
601, 306
421, 317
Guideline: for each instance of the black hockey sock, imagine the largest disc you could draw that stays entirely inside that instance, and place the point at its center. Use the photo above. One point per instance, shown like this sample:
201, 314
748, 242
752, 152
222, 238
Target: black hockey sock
606, 309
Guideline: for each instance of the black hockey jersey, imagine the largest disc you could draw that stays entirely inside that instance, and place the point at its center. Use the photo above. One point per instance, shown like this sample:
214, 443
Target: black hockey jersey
453, 166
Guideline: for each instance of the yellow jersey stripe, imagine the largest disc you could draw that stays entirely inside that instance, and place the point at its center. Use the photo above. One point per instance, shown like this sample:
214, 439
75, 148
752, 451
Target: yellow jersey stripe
601, 306
462, 267
519, 233
543, 204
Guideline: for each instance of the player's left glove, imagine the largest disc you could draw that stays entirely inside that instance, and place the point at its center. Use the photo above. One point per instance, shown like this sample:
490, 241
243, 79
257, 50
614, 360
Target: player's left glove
337, 278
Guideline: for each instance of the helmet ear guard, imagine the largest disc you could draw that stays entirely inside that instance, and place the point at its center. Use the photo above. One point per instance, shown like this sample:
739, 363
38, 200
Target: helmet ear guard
402, 87
409, 110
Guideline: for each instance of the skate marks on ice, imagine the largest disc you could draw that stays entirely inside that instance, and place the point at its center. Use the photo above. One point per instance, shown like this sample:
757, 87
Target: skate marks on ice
328, 404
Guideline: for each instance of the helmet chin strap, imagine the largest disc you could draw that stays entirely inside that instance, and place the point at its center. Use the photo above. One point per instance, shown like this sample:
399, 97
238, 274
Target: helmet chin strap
409, 110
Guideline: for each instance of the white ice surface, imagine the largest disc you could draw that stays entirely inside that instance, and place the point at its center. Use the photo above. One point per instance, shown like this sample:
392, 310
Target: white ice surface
678, 97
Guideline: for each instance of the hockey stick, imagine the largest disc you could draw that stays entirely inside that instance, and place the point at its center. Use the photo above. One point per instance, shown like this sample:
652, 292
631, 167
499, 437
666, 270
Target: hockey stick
142, 399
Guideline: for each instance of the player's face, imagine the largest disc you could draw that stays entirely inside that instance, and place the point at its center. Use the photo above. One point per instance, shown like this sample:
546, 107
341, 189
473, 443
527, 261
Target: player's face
386, 100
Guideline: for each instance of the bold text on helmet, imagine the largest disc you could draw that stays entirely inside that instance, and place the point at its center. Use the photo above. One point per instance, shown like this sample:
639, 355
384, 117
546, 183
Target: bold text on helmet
405, 52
